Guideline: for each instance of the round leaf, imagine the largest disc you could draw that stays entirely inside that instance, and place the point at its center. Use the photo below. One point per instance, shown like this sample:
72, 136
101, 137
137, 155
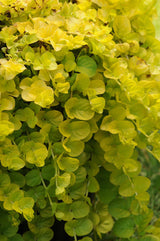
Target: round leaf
79, 108
124, 228
33, 178
68, 164
80, 209
86, 65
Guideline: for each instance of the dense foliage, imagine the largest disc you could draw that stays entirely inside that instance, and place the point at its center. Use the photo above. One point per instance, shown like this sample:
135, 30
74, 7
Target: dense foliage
80, 90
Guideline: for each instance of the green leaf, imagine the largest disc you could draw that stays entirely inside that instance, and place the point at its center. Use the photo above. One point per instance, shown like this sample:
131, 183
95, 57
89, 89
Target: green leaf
118, 177
107, 191
86, 65
119, 208
10, 231
45, 234
93, 185
17, 178
79, 209
126, 189
83, 227
33, 178
76, 130
78, 108
48, 171
68, 164
80, 174
79, 227
124, 228
16, 237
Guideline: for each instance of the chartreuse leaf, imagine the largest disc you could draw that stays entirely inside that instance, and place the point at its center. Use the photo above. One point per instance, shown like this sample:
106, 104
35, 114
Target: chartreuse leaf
86, 239
124, 227
98, 104
74, 148
128, 188
121, 26
7, 103
106, 222
78, 108
79, 227
68, 164
124, 128
76, 130
69, 62
53, 117
64, 180
79, 209
98, 85
38, 92
6, 128
86, 65
62, 88
27, 115
15, 163
149, 237
44, 61
48, 60
4, 180
13, 196
25, 206
9, 69
81, 83
144, 181
35, 153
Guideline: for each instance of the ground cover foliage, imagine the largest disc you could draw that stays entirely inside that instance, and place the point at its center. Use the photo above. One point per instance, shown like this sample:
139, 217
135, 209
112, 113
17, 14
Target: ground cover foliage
80, 90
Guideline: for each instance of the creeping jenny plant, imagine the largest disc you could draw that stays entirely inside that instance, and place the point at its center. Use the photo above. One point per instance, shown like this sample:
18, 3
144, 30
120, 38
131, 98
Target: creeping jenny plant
80, 94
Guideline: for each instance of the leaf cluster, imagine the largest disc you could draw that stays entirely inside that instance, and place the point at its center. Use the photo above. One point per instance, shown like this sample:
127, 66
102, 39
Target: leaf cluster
79, 96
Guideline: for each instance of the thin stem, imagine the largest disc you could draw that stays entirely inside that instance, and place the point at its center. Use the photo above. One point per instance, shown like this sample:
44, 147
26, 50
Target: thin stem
95, 236
75, 237
45, 187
